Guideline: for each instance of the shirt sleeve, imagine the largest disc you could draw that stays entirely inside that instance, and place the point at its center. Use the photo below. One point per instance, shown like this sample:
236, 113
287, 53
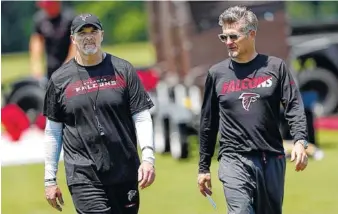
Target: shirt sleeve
209, 125
139, 99
53, 147
144, 131
37, 23
293, 105
52, 103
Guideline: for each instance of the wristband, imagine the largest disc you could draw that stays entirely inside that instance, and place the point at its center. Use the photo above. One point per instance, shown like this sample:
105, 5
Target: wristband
149, 160
147, 147
50, 182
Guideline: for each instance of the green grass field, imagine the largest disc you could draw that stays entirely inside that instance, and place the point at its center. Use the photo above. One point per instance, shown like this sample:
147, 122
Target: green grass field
313, 191
17, 65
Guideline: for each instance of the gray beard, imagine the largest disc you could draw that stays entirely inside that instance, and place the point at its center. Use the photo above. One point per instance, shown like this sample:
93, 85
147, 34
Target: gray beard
233, 54
90, 51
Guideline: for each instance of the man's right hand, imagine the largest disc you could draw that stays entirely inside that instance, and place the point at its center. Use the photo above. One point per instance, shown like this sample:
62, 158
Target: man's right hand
52, 193
204, 183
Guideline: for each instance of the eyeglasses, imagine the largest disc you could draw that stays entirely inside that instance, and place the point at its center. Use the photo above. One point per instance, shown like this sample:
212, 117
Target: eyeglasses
224, 37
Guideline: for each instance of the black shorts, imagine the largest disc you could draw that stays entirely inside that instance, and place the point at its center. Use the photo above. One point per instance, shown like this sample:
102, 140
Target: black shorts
113, 199
251, 184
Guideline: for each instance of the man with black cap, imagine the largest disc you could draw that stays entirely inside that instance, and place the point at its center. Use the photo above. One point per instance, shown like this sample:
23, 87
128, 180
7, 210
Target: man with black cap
97, 108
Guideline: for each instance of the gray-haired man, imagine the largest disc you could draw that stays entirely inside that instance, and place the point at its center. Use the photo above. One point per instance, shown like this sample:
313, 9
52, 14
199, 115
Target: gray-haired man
242, 102
97, 110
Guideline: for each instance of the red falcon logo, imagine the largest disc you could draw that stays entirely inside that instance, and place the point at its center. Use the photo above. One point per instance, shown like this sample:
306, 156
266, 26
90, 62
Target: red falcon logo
247, 99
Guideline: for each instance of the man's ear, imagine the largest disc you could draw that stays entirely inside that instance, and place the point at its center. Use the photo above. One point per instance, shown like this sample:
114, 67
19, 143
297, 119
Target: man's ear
102, 34
252, 34
72, 37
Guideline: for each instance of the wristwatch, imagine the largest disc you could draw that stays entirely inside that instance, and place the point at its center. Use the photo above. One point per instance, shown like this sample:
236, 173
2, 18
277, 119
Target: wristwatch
304, 143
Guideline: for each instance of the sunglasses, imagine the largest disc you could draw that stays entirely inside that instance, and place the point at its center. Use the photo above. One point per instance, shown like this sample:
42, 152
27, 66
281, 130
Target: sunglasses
224, 37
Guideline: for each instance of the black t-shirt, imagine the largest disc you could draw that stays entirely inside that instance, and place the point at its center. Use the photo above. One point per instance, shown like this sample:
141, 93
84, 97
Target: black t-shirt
56, 32
71, 94
242, 102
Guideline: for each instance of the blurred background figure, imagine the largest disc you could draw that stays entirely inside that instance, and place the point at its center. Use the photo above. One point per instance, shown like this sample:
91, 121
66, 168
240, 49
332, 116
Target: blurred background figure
51, 35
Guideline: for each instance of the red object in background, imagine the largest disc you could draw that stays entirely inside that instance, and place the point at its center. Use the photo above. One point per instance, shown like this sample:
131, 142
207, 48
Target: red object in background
149, 79
40, 121
14, 120
52, 8
329, 123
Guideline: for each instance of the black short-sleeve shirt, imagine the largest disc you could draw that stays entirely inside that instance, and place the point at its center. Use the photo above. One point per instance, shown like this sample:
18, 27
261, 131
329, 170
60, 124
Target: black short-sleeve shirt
114, 89
56, 33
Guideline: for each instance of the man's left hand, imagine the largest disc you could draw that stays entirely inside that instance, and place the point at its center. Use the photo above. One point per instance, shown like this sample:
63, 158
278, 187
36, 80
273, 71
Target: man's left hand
299, 154
146, 174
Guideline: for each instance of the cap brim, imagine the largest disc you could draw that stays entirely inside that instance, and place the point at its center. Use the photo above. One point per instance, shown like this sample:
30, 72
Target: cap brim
89, 24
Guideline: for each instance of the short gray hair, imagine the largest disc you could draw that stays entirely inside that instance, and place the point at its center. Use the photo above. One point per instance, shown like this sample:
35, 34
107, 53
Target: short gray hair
238, 14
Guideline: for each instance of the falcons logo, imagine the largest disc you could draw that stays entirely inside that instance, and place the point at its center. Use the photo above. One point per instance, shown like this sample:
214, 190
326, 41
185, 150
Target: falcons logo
85, 16
247, 99
131, 194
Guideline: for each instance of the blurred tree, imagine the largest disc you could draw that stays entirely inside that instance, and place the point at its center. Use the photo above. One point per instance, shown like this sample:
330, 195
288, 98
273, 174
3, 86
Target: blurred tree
16, 25
312, 11
124, 21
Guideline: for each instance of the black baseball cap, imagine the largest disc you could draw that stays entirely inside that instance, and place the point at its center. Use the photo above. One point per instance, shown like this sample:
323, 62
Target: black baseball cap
85, 19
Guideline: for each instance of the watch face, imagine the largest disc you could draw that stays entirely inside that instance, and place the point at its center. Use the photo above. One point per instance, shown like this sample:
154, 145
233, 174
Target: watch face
305, 144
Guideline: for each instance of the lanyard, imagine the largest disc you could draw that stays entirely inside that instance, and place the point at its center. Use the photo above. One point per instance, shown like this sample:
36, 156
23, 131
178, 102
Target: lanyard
93, 102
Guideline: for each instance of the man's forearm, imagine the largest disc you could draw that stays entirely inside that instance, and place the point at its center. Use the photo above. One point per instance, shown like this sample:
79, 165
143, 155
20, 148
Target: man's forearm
144, 131
53, 146
209, 125
208, 138
295, 115
298, 124
293, 104
36, 53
